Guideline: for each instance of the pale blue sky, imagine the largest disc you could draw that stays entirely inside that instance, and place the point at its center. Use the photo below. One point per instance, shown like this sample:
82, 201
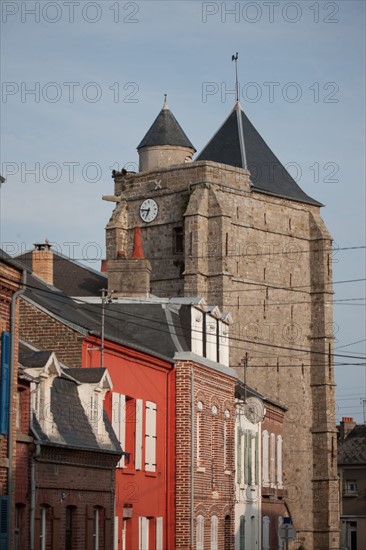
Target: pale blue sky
135, 52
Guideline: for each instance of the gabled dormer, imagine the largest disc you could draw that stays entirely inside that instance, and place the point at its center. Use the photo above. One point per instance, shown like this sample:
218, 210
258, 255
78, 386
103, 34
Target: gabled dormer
93, 385
42, 368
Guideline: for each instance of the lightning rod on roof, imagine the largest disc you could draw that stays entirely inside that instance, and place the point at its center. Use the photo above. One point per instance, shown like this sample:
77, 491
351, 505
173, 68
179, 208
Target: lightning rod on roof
235, 58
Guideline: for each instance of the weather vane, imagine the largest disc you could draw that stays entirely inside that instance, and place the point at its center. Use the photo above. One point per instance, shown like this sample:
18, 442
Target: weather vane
235, 58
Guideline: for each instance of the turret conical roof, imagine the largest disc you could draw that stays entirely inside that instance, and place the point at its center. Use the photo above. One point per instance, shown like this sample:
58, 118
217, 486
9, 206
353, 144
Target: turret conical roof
238, 143
165, 130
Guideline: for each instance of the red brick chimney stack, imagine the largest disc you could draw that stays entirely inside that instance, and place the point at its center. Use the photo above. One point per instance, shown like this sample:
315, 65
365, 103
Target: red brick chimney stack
42, 262
346, 426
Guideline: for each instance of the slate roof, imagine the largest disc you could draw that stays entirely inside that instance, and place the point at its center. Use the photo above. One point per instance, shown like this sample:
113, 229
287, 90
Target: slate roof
239, 144
72, 423
152, 328
73, 427
352, 449
165, 130
33, 359
87, 376
70, 276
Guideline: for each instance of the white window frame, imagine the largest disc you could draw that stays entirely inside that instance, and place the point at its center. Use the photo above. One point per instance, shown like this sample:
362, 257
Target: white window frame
214, 533
200, 533
43, 529
96, 529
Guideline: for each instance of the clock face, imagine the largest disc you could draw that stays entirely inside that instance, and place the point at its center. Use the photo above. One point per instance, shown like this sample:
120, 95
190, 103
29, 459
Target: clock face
148, 210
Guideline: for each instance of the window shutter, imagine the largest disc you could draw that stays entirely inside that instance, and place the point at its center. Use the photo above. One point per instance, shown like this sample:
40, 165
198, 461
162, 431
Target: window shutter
4, 382
279, 460
238, 456
159, 533
138, 435
119, 421
256, 466
273, 458
150, 437
115, 534
265, 458
4, 521
144, 534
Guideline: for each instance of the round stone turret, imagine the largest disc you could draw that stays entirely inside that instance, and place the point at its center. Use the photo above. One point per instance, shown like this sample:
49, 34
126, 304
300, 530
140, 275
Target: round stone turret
165, 143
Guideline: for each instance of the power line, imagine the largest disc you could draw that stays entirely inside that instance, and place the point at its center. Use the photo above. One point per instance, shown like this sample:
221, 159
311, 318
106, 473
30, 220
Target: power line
112, 315
241, 340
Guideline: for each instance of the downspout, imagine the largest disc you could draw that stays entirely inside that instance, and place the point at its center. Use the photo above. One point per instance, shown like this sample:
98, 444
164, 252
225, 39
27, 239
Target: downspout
33, 494
192, 460
11, 398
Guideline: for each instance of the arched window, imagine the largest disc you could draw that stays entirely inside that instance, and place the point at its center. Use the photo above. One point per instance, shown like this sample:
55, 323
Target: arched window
200, 533
214, 532
265, 438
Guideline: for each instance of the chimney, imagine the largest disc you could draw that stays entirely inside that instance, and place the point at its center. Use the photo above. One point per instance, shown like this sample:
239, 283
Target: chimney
346, 426
42, 262
130, 277
103, 267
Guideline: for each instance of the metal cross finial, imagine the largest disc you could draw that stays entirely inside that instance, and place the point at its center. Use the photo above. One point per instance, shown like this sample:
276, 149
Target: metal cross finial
235, 58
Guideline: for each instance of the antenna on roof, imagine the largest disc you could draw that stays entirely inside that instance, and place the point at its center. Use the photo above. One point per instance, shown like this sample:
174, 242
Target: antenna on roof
235, 58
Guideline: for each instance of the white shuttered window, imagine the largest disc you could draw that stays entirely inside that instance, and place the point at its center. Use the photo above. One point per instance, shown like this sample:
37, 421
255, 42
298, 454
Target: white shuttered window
150, 437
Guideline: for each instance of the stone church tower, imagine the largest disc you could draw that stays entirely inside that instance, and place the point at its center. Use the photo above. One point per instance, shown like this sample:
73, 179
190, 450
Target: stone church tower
234, 227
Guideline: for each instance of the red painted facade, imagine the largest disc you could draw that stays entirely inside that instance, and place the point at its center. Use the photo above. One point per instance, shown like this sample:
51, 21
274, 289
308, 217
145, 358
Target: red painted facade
145, 494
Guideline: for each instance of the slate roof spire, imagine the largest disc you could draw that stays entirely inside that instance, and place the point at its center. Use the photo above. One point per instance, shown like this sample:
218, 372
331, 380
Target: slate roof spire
165, 130
165, 143
238, 143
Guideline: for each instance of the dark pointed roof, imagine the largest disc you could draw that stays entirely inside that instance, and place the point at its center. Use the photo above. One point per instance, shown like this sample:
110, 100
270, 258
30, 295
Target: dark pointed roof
238, 143
165, 130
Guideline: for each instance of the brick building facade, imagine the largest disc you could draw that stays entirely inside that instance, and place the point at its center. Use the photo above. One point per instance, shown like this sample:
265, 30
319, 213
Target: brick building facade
10, 285
66, 457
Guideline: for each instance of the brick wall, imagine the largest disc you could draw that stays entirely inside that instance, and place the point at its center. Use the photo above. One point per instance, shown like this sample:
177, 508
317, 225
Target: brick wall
213, 475
47, 333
